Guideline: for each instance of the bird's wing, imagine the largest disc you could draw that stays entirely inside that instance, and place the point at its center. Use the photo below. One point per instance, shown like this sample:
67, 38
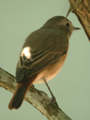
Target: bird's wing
43, 51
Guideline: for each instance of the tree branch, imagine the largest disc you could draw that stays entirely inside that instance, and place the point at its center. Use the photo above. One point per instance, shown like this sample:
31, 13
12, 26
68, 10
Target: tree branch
81, 8
37, 98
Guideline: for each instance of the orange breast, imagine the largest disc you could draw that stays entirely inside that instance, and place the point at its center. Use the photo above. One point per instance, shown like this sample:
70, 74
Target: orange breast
50, 71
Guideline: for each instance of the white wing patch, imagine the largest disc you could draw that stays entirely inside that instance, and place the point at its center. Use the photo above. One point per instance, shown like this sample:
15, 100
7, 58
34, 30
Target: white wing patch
26, 52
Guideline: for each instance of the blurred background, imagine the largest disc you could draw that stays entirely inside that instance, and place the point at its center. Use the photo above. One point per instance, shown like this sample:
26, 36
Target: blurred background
18, 18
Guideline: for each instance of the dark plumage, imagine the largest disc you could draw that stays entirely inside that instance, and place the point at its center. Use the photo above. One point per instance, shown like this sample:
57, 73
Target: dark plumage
42, 55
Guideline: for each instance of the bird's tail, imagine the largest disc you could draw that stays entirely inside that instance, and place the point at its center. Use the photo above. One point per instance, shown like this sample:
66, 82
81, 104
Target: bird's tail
18, 96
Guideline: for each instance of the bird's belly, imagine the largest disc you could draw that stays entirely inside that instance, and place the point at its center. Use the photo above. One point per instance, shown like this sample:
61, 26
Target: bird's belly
50, 71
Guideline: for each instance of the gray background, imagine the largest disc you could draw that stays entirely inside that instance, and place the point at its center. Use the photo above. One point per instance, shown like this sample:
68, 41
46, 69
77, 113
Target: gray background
18, 18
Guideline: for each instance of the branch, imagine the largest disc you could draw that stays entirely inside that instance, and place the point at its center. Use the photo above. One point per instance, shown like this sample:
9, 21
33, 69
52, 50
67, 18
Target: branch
81, 8
37, 98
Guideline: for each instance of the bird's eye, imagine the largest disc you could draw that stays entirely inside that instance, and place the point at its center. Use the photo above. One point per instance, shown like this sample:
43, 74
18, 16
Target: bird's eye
67, 24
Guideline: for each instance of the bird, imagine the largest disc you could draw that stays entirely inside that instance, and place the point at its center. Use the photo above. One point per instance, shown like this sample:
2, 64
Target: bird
42, 56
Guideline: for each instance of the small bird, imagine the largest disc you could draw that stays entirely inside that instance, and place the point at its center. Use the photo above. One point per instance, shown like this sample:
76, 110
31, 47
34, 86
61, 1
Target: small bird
42, 56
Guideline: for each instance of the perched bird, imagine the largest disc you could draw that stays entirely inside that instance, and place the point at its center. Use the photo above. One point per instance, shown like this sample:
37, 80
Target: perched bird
42, 56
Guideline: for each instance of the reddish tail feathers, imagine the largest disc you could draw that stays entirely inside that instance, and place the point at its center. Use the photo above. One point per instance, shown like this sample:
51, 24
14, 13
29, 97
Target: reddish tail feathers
18, 96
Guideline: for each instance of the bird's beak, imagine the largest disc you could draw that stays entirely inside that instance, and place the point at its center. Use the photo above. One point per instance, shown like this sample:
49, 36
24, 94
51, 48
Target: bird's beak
76, 28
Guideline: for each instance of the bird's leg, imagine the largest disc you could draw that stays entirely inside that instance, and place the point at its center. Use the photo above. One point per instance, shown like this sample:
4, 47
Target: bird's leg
53, 97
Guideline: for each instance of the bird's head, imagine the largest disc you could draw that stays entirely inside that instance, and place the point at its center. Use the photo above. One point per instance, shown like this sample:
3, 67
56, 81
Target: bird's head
62, 23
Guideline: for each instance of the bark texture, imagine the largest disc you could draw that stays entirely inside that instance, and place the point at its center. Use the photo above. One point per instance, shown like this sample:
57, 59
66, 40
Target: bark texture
37, 98
81, 8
